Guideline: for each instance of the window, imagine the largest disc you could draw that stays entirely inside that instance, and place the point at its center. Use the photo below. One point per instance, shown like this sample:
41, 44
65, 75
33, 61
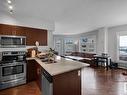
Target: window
69, 46
123, 48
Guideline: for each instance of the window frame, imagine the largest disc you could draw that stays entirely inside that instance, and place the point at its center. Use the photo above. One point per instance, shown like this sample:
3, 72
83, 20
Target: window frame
122, 33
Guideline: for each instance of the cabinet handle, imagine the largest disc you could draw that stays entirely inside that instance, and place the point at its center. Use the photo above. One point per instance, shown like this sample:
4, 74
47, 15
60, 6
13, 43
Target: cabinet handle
79, 73
38, 71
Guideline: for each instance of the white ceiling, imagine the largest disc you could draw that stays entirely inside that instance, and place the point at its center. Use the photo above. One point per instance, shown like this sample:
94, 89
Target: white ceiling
73, 16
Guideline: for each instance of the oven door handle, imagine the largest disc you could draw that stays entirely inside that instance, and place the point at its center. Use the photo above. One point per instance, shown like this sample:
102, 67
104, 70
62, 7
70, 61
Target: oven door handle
13, 64
5, 82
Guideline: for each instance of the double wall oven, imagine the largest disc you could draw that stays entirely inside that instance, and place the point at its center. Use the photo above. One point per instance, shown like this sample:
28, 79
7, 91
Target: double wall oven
12, 68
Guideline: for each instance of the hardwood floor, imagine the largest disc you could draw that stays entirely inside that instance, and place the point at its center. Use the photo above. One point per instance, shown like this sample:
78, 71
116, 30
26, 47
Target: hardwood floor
102, 82
28, 89
95, 81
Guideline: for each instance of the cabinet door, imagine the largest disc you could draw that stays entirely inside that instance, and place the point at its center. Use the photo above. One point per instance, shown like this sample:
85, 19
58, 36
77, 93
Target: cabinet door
7, 29
34, 71
38, 75
41, 36
67, 83
34, 35
31, 36
20, 31
31, 70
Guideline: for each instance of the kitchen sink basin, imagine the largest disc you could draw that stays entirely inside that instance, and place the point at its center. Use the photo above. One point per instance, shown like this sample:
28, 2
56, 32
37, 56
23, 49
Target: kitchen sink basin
47, 61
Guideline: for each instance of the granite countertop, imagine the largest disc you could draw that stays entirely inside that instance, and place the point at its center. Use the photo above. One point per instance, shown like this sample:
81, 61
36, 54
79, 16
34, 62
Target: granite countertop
62, 65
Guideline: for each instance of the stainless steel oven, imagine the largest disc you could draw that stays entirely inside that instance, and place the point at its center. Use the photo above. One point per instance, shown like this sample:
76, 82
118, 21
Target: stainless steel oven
7, 41
12, 69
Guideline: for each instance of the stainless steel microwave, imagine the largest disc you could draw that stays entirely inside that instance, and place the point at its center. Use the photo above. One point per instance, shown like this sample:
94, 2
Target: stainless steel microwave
9, 41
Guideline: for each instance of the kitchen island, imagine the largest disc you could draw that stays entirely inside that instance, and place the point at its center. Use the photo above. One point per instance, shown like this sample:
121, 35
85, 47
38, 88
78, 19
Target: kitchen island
60, 78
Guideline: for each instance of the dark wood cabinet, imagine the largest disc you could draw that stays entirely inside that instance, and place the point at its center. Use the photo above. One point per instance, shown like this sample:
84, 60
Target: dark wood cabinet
7, 29
32, 34
38, 75
34, 71
67, 83
31, 70
20, 31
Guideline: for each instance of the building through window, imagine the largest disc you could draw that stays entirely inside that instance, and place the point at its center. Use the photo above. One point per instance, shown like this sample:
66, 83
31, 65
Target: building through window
123, 48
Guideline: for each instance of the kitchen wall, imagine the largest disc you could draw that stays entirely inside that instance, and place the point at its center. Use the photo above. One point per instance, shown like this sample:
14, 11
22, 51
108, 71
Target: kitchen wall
12, 19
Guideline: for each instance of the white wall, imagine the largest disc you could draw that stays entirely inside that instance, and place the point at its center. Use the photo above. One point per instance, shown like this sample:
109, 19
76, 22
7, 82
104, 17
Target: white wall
28, 22
107, 40
50, 38
112, 39
76, 38
62, 37
102, 43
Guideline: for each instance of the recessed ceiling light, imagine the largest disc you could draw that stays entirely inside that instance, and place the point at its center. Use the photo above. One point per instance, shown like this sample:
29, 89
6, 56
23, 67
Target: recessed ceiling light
11, 11
10, 7
9, 1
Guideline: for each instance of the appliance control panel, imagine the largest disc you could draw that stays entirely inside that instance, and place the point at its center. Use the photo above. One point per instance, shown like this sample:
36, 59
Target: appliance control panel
6, 53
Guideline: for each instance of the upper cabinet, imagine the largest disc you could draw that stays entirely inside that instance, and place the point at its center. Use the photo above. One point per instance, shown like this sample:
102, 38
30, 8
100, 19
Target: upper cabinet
20, 31
7, 29
32, 34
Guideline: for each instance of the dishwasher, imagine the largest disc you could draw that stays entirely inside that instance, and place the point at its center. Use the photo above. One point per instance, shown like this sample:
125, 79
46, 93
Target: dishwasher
47, 84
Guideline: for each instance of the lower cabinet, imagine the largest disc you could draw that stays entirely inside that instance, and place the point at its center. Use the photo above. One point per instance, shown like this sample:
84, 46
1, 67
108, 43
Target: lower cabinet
67, 83
31, 71
38, 75
34, 71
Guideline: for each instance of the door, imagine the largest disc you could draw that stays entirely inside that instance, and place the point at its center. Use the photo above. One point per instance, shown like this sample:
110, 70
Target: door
58, 46
69, 46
